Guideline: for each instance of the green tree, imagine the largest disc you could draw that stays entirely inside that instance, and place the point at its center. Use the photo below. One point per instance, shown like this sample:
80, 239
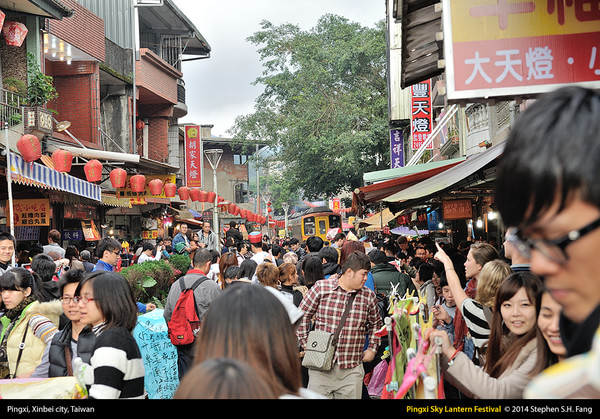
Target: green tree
324, 106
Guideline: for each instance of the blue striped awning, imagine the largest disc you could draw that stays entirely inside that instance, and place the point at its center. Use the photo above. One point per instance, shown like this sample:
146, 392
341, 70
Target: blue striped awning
36, 174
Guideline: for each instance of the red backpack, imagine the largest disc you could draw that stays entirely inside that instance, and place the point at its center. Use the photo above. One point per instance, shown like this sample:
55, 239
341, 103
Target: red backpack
184, 323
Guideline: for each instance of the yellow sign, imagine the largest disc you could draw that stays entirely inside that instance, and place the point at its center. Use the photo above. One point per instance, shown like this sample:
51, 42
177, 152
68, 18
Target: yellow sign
481, 20
31, 212
129, 193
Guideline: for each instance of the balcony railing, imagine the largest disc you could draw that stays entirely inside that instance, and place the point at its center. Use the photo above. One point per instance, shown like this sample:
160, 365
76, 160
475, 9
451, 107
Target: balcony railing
11, 107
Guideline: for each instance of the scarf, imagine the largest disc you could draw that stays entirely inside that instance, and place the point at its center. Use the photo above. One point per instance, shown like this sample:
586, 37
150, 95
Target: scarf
13, 314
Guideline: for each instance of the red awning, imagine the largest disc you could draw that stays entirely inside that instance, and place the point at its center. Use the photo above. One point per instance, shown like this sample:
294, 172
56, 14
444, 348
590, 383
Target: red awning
379, 191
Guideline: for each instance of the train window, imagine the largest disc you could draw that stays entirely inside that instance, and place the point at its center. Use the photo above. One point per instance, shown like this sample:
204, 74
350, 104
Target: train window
309, 226
322, 227
335, 221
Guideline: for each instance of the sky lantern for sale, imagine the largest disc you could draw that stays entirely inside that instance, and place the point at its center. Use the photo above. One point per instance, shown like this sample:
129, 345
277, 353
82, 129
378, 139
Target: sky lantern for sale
138, 183
170, 190
30, 148
93, 170
14, 33
118, 178
203, 196
211, 196
62, 160
2, 17
195, 194
155, 186
184, 193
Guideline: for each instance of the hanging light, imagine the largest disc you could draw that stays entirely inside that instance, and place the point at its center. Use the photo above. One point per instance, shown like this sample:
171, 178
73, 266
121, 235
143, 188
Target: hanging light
184, 193
69, 54
170, 190
138, 183
155, 186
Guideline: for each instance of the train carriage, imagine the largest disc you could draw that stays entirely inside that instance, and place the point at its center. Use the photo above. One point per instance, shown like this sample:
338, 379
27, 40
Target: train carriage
315, 221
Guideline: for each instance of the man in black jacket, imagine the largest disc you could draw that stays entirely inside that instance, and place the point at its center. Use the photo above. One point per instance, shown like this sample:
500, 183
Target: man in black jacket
234, 233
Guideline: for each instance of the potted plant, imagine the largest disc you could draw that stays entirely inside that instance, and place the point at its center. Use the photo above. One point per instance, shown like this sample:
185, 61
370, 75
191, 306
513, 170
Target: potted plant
40, 89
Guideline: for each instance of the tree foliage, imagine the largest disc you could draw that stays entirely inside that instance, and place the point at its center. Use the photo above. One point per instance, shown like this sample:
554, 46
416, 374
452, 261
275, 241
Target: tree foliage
324, 106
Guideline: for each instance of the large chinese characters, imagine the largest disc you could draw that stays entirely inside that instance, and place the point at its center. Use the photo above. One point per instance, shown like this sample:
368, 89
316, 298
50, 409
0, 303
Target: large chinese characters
421, 114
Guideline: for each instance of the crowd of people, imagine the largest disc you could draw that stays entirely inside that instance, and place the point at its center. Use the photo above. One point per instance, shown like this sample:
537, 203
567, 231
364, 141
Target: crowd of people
519, 320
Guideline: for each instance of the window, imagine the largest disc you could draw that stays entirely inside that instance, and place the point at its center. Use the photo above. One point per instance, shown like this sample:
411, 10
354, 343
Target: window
335, 221
309, 226
241, 193
322, 227
240, 159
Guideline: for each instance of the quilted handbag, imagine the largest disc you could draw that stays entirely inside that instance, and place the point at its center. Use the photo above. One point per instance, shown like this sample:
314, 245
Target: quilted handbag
320, 345
319, 351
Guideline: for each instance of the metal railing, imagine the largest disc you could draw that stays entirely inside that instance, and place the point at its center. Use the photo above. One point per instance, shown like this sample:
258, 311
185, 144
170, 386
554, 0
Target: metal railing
11, 107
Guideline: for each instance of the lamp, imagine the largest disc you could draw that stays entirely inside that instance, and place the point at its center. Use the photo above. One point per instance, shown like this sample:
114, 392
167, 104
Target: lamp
214, 157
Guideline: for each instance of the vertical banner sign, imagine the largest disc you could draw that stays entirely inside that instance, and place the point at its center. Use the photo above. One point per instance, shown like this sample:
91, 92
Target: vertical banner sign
396, 148
501, 48
421, 114
193, 156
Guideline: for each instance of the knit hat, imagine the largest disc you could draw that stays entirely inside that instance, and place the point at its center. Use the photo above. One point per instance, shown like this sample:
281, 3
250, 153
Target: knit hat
255, 237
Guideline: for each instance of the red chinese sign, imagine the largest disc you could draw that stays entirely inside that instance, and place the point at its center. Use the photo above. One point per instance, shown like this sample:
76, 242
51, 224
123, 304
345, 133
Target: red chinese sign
457, 209
193, 156
517, 47
421, 114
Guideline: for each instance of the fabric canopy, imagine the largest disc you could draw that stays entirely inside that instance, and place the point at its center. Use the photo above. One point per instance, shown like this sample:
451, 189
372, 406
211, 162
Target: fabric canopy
35, 174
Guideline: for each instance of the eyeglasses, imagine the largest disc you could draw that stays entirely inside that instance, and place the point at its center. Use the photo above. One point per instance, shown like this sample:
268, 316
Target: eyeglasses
555, 250
116, 252
67, 300
84, 300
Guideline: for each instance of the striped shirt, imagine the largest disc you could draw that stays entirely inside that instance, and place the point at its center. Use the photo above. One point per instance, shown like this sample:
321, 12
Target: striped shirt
476, 321
117, 366
325, 303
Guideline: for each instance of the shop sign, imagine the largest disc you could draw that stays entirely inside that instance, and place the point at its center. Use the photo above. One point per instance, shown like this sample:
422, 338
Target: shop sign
396, 148
149, 234
37, 119
193, 156
420, 127
31, 212
73, 235
497, 48
457, 209
90, 232
134, 196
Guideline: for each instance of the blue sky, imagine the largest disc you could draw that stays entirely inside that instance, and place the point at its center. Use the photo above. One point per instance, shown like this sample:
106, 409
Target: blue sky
219, 88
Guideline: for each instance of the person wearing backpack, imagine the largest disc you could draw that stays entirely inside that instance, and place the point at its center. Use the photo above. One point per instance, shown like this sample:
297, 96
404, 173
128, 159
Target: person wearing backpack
184, 311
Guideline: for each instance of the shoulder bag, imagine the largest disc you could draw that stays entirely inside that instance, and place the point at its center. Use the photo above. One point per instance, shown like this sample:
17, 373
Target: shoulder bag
320, 345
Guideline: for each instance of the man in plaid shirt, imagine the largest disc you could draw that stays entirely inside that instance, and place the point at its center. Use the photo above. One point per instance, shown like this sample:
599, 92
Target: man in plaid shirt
324, 304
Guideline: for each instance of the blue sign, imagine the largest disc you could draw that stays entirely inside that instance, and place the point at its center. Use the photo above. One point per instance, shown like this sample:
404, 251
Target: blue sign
74, 235
160, 356
396, 148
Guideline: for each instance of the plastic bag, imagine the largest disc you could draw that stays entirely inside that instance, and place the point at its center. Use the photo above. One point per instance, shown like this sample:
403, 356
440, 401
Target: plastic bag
375, 387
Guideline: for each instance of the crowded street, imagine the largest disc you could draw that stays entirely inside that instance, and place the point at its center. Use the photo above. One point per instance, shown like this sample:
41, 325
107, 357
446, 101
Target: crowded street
408, 212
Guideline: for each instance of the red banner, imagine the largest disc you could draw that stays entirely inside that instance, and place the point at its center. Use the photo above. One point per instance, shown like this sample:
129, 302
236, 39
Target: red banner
421, 114
193, 156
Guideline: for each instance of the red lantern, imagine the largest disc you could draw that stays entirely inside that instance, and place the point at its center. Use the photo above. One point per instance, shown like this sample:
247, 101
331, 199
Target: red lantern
170, 190
270, 209
184, 193
220, 199
203, 196
242, 213
139, 125
30, 148
14, 33
211, 197
155, 186
138, 183
118, 178
195, 194
231, 208
62, 160
93, 170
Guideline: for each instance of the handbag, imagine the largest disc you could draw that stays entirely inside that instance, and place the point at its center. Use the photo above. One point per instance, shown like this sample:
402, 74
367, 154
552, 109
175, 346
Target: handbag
320, 345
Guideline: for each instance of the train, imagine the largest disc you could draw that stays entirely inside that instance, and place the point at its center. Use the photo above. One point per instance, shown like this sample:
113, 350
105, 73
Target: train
315, 221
